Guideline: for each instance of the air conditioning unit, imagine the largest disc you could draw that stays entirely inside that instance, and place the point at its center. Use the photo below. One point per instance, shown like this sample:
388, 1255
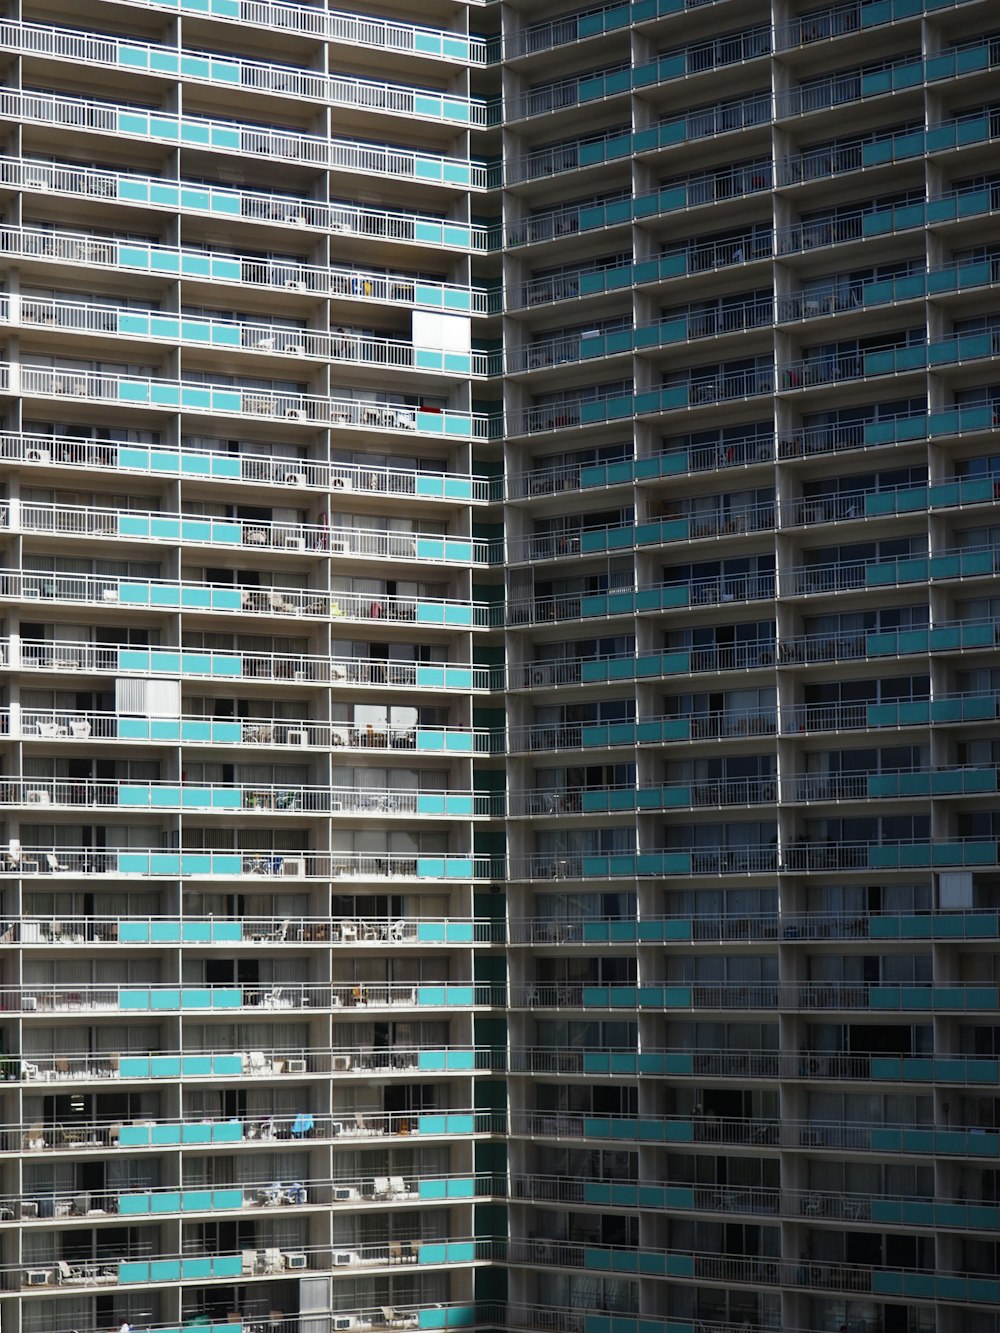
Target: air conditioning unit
264, 345
296, 1261
540, 675
341, 1321
110, 595
341, 1063
29, 1003
38, 796
294, 478
36, 1277
342, 1258
293, 285
339, 546
296, 414
296, 737
38, 455
293, 865
294, 349
341, 1193
295, 1066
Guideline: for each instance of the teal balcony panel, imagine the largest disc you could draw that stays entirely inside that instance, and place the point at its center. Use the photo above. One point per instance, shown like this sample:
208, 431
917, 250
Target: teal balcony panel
959, 277
951, 206
447, 1252
456, 1316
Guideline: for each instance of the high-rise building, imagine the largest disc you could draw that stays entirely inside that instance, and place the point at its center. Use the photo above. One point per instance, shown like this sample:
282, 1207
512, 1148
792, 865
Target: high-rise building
500, 742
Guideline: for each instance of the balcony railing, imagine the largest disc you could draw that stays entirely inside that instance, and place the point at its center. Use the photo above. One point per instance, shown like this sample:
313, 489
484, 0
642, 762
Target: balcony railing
611, 798
142, 1266
256, 469
135, 189
289, 799
352, 29
358, 284
247, 140
261, 599
165, 396
67, 655
197, 863
303, 1127
231, 335
45, 1000
157, 931
161, 526
250, 1195
696, 1063
52, 724
856, 1136
280, 1062
289, 81
672, 996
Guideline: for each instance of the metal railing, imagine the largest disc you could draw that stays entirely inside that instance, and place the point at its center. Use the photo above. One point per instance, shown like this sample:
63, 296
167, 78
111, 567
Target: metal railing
353, 29
283, 1062
266, 599
45, 1000
339, 345
302, 668
139, 390
250, 1195
274, 798
197, 863
268, 1262
246, 205
303, 1127
252, 75
161, 526
67, 928
269, 469
681, 995
195, 729
272, 142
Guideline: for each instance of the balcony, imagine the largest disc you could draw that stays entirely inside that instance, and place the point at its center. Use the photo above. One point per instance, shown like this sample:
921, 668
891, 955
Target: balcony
274, 143
257, 599
766, 1066
158, 526
297, 668
914, 712
88, 999
339, 1194
159, 932
73, 451
837, 1136
231, 335
354, 30
281, 210
233, 74
59, 725
809, 997
614, 799
165, 1270
168, 396
132, 256
713, 187
296, 864
63, 793
304, 1127
597, 149
901, 784
298, 1062
581, 90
